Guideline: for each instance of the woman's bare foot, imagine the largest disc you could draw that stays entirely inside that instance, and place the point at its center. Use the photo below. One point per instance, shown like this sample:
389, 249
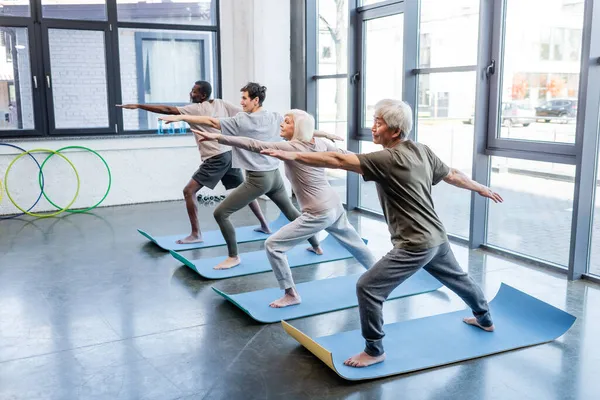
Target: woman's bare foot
290, 298
263, 229
191, 239
317, 250
473, 321
229, 262
363, 360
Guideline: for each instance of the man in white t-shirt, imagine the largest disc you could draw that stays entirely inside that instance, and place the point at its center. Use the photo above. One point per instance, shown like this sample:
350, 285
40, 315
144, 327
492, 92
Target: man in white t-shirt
216, 158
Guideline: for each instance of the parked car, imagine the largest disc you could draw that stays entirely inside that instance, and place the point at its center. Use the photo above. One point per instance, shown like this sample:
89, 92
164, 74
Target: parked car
564, 109
513, 113
517, 113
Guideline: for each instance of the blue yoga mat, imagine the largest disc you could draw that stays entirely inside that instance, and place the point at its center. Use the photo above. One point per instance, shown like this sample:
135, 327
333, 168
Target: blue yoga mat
215, 238
520, 321
320, 296
256, 262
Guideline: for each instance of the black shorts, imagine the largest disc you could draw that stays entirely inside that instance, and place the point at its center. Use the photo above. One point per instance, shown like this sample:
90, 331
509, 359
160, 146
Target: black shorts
218, 168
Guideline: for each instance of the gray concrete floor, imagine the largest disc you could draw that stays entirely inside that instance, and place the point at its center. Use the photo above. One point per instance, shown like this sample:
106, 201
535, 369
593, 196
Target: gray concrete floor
90, 310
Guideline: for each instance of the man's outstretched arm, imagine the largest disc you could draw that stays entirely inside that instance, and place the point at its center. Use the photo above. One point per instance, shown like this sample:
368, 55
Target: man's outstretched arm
329, 159
193, 119
155, 108
459, 179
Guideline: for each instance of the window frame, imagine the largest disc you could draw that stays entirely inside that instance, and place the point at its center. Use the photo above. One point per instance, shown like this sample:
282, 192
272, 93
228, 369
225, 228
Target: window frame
39, 58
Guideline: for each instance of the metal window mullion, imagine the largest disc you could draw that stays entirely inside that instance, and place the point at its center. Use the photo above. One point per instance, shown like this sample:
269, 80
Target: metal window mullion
115, 72
495, 53
480, 172
217, 48
300, 40
588, 129
354, 113
311, 55
410, 57
330, 76
170, 27
386, 10
439, 70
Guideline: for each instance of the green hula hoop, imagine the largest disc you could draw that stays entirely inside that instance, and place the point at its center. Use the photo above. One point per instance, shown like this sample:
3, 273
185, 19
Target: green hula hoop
37, 214
91, 151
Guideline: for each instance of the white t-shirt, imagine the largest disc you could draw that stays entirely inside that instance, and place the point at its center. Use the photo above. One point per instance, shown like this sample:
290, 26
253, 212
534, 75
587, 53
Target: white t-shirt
216, 108
261, 125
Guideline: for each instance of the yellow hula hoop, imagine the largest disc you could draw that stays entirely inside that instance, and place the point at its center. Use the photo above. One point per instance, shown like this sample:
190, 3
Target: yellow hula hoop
41, 151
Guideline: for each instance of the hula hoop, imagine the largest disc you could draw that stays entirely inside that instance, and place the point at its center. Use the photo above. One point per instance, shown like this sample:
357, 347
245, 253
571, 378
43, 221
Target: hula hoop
42, 186
91, 151
37, 214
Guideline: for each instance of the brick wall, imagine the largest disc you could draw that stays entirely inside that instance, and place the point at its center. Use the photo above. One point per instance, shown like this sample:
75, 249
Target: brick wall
78, 64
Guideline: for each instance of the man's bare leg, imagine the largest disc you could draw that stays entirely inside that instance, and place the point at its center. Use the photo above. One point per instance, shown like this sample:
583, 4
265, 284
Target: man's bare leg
363, 360
473, 321
290, 298
264, 225
189, 193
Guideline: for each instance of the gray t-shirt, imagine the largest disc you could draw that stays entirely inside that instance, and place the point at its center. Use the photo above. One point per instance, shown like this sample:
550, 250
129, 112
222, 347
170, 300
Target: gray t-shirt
310, 184
216, 108
261, 125
404, 176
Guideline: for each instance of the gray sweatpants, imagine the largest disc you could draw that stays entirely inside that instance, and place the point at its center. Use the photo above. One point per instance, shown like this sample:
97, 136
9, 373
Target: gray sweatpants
256, 184
375, 285
334, 221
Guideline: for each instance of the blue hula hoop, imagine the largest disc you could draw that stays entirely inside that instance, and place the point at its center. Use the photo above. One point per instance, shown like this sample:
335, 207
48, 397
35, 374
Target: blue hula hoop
41, 186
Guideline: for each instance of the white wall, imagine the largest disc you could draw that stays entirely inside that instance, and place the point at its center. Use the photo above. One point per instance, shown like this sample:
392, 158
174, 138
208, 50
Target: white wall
255, 47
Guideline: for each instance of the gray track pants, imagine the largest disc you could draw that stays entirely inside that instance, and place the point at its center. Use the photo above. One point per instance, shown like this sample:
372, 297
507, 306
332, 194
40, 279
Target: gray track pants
256, 184
375, 285
334, 221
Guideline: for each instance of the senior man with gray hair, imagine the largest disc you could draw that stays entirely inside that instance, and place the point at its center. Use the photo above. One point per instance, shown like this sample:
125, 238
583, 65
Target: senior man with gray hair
404, 173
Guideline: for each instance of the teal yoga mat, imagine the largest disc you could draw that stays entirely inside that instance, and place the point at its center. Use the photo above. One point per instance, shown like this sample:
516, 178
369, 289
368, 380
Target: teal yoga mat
256, 262
320, 297
244, 234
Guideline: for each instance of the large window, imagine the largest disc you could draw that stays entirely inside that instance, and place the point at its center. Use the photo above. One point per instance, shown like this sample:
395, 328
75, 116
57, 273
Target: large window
540, 76
63, 79
330, 78
535, 218
504, 91
183, 12
369, 199
446, 98
383, 76
445, 124
77, 81
16, 91
143, 70
594, 266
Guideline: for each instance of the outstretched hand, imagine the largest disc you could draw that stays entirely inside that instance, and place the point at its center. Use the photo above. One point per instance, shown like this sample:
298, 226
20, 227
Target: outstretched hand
170, 118
490, 194
333, 136
128, 106
204, 136
282, 155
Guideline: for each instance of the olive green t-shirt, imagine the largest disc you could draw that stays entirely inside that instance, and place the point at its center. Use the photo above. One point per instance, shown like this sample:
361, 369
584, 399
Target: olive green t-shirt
404, 176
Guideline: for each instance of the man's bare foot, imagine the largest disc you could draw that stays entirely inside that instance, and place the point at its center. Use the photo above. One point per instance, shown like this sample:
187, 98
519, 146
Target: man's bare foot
191, 239
473, 321
317, 250
263, 229
229, 262
290, 298
363, 360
